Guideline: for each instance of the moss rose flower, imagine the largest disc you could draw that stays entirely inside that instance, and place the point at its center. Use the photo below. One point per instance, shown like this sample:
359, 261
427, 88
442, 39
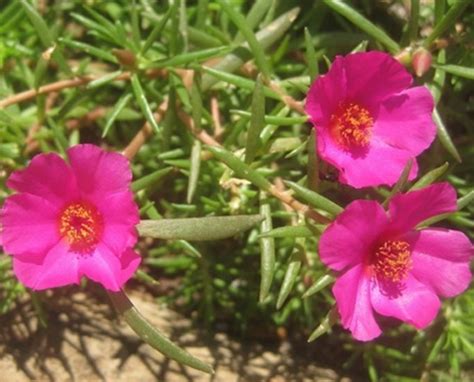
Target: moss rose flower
70, 220
388, 266
369, 121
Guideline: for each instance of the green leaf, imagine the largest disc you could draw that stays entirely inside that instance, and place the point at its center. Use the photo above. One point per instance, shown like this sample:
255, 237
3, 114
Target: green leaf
152, 336
156, 31
401, 182
274, 120
239, 81
244, 28
254, 16
311, 59
444, 136
457, 70
361, 22
448, 20
439, 78
430, 177
412, 29
315, 199
319, 285
196, 101
89, 49
198, 229
267, 250
289, 231
202, 13
323, 327
291, 274
257, 122
313, 161
104, 80
190, 58
240, 168
194, 171
45, 35
142, 102
266, 37
119, 106
150, 179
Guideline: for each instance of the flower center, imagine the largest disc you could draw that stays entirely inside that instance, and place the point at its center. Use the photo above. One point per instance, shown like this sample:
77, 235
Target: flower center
351, 126
81, 225
392, 260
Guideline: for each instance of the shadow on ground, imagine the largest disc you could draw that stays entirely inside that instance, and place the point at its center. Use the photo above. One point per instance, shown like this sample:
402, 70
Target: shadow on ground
84, 341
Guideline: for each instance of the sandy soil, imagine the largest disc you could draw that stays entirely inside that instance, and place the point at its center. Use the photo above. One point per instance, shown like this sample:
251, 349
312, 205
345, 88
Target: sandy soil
85, 341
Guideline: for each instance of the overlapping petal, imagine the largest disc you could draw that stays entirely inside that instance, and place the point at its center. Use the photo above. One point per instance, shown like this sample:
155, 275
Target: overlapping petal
29, 226
373, 76
99, 173
352, 293
404, 120
352, 236
441, 260
47, 176
58, 268
408, 210
412, 302
108, 269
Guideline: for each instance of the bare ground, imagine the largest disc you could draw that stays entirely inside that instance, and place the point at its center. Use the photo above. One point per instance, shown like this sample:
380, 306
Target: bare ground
84, 341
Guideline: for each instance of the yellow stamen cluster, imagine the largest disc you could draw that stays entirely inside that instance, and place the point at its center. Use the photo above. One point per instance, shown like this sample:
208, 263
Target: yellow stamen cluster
81, 225
351, 126
392, 260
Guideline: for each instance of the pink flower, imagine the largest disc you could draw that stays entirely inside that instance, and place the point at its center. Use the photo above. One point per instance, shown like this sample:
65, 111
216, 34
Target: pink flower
369, 122
390, 267
70, 220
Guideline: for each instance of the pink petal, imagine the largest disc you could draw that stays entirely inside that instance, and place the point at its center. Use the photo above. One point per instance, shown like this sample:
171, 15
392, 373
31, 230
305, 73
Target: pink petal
326, 93
120, 214
108, 269
441, 260
99, 173
352, 236
405, 120
47, 176
58, 268
29, 226
413, 302
380, 164
373, 76
352, 292
408, 210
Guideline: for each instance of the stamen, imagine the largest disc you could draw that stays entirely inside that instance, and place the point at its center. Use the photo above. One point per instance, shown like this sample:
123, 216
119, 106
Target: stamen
351, 126
392, 261
81, 225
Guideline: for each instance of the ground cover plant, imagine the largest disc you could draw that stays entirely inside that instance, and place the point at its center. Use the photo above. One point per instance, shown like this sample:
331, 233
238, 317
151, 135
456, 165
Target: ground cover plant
300, 169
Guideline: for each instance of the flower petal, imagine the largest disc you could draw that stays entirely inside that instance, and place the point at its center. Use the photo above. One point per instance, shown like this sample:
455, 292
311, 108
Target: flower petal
373, 76
29, 226
352, 292
120, 214
47, 176
99, 173
413, 302
58, 268
352, 236
441, 259
409, 209
379, 164
405, 120
326, 93
108, 269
